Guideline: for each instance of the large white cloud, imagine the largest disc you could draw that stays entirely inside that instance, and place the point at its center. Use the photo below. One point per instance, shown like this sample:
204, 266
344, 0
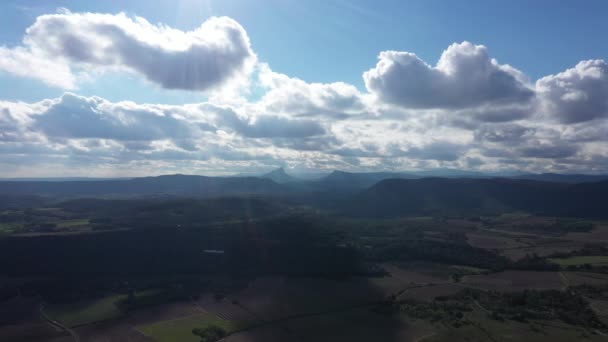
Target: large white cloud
296, 97
465, 76
22, 62
73, 116
78, 117
200, 59
264, 126
578, 94
468, 111
80, 132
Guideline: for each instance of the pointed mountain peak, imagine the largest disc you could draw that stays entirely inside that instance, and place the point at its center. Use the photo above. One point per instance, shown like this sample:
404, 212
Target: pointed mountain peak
279, 175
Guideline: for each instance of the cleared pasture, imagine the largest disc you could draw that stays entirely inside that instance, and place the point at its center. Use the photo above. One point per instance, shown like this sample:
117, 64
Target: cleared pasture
85, 312
516, 281
598, 234
72, 223
581, 278
492, 241
359, 325
32, 331
124, 328
271, 298
181, 329
430, 292
541, 251
424, 272
595, 260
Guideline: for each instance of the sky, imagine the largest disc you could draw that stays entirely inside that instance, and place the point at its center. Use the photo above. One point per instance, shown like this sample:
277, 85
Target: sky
129, 88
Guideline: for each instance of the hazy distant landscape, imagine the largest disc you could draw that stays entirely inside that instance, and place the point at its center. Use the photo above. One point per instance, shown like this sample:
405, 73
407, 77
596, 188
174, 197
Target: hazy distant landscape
303, 171
277, 258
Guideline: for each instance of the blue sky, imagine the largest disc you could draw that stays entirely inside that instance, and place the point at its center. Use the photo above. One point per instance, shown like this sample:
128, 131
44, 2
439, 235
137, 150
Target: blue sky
306, 39
310, 45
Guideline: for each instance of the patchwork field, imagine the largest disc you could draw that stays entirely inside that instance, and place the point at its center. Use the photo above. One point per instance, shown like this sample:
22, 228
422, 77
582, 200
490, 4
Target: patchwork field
10, 228
20, 321
352, 326
32, 331
581, 278
487, 329
181, 329
125, 327
414, 279
86, 312
271, 298
598, 234
72, 223
541, 250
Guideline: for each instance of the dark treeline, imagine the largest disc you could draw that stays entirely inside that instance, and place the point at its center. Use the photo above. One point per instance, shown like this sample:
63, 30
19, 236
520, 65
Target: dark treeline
456, 253
286, 246
568, 306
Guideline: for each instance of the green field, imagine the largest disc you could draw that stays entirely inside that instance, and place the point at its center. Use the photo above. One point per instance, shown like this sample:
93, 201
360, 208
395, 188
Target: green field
181, 329
468, 269
10, 228
597, 260
72, 223
86, 312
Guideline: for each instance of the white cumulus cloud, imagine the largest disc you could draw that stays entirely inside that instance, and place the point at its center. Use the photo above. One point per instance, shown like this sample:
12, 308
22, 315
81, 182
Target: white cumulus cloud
57, 45
577, 94
465, 76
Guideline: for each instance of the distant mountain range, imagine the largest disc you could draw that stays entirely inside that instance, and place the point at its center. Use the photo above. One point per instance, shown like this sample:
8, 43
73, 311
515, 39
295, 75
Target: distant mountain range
161, 185
341, 179
382, 194
459, 196
60, 179
344, 179
563, 178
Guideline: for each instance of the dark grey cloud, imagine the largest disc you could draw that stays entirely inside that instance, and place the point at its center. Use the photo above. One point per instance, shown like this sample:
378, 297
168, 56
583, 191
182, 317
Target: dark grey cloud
270, 126
472, 162
9, 127
321, 143
137, 145
437, 150
29, 148
357, 152
465, 76
274, 126
513, 133
549, 151
586, 132
73, 116
499, 114
497, 152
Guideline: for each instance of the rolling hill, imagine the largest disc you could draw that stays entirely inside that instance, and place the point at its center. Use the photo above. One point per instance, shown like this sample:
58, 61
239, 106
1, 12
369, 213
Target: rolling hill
432, 196
161, 185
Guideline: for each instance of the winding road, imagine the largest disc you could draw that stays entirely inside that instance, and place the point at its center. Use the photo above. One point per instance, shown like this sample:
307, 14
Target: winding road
58, 324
